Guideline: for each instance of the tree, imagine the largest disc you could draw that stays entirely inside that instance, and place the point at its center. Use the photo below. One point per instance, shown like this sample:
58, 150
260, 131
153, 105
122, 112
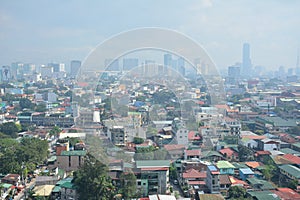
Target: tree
41, 108
269, 172
138, 140
237, 192
55, 131
92, 181
26, 103
128, 185
245, 153
10, 129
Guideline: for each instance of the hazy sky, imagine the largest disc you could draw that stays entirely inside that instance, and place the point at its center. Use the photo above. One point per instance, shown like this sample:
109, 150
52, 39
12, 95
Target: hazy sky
40, 31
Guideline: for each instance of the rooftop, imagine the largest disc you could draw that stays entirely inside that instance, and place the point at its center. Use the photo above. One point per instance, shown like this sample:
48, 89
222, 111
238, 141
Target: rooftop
73, 153
152, 163
292, 170
224, 164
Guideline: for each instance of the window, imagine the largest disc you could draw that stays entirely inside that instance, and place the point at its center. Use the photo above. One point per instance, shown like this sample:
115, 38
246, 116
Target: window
139, 182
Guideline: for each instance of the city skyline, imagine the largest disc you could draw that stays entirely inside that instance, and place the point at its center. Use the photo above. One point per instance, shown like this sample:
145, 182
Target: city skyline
54, 31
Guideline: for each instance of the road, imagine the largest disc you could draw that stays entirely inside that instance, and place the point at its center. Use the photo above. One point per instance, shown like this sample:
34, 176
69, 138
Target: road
21, 194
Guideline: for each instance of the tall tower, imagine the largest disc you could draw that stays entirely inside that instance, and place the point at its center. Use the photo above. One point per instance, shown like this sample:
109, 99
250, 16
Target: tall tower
246, 63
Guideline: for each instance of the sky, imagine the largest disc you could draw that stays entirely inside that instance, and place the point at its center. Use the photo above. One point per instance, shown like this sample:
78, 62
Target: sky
44, 31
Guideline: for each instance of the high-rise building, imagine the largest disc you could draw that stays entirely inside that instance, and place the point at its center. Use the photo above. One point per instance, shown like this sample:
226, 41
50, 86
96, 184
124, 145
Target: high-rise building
112, 64
57, 67
246, 63
130, 63
75, 66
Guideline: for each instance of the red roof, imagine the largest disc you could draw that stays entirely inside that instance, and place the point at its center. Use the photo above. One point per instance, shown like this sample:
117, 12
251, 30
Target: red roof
193, 152
193, 173
155, 169
197, 183
292, 158
192, 136
287, 194
170, 147
263, 153
227, 151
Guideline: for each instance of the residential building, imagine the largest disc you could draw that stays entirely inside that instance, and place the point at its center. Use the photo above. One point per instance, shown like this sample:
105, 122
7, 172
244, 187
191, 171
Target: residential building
70, 160
212, 180
152, 176
225, 167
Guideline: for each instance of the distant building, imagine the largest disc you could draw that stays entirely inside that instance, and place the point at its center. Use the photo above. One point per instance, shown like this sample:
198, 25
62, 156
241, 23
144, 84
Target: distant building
70, 160
130, 63
246, 63
112, 65
212, 180
74, 68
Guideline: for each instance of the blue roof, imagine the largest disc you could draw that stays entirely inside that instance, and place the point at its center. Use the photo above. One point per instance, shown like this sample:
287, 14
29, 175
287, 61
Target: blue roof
246, 171
212, 168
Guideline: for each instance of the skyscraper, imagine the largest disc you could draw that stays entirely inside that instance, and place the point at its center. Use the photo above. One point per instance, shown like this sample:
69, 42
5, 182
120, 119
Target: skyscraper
75, 66
246, 63
130, 63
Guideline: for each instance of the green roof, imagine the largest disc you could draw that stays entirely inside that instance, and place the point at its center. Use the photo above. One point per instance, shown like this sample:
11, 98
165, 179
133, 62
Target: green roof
292, 170
56, 189
279, 122
210, 153
296, 144
73, 153
152, 163
68, 185
69, 179
262, 184
264, 195
222, 164
289, 151
6, 185
239, 165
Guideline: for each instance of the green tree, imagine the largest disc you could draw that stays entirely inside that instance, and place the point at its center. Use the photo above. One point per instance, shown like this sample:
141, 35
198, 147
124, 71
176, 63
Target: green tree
269, 171
92, 180
138, 140
41, 108
10, 129
55, 131
237, 192
26, 103
128, 185
245, 153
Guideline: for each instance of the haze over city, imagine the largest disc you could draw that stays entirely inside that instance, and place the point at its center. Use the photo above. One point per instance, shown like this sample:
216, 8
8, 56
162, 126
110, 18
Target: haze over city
58, 31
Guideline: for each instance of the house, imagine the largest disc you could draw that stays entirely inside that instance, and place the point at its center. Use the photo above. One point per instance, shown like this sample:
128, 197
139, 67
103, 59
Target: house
263, 195
68, 191
152, 176
211, 197
229, 154
291, 172
225, 167
262, 155
268, 144
287, 194
46, 180
194, 177
192, 154
225, 184
292, 159
258, 184
246, 173
212, 180
211, 156
175, 151
13, 179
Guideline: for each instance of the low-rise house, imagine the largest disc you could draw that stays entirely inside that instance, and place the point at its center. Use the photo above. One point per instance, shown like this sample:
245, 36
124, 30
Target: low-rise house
68, 191
268, 145
246, 173
290, 172
225, 167
263, 195
194, 177
211, 156
175, 151
46, 180
229, 154
287, 194
13, 179
192, 154
258, 184
225, 184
